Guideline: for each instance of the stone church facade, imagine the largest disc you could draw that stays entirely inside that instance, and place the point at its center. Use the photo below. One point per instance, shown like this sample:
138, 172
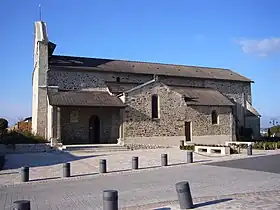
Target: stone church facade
80, 100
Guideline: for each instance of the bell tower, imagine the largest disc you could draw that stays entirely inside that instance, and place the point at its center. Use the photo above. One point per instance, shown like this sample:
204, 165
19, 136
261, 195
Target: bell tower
39, 80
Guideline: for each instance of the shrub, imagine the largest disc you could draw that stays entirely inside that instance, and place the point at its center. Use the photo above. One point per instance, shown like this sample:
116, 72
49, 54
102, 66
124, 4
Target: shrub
266, 145
3, 124
3, 127
233, 150
187, 147
23, 137
2, 161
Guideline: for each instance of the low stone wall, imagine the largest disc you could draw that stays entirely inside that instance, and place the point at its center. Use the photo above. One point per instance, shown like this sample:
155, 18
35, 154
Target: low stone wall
26, 148
223, 150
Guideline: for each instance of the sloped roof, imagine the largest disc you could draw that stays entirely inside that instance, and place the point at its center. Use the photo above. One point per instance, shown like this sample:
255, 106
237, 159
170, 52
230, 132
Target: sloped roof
84, 98
146, 68
251, 111
117, 88
202, 96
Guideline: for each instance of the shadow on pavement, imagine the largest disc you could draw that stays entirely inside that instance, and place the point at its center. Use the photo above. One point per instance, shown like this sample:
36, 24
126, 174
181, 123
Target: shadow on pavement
87, 174
15, 161
8, 173
208, 203
45, 179
121, 170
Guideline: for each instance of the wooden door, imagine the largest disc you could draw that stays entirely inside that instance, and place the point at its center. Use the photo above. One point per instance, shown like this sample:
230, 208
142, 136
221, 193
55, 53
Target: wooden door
94, 130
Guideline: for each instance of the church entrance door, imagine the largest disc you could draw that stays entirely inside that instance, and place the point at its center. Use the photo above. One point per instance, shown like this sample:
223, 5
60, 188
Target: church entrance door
94, 130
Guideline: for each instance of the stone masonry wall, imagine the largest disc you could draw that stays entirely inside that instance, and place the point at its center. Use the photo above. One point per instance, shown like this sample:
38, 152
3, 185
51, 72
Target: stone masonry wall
78, 132
173, 114
231, 89
93, 80
82, 79
71, 80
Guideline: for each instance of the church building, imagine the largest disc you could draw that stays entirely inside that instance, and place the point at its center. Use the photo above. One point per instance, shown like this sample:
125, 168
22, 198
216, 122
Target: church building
79, 100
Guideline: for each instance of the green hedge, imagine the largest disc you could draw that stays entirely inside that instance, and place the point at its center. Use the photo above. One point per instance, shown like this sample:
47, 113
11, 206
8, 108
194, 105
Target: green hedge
187, 147
266, 145
25, 137
2, 162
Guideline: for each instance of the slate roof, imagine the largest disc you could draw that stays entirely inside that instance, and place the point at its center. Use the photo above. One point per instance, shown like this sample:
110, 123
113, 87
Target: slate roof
124, 66
202, 96
251, 111
84, 98
118, 88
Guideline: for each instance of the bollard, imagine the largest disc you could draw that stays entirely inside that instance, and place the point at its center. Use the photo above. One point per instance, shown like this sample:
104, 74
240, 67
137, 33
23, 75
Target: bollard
22, 205
249, 149
66, 170
164, 160
182, 143
135, 163
25, 174
102, 166
189, 157
110, 200
184, 195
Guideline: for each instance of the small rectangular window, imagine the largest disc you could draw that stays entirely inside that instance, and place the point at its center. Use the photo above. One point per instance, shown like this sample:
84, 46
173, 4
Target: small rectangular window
214, 117
155, 107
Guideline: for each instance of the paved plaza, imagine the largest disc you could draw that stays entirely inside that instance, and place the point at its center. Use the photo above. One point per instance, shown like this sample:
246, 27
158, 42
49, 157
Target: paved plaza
213, 187
262, 163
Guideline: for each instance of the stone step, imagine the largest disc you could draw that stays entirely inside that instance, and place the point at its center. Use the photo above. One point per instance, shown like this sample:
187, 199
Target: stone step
94, 148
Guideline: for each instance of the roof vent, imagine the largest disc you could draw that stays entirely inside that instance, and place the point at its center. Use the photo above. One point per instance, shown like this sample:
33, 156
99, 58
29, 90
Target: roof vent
133, 66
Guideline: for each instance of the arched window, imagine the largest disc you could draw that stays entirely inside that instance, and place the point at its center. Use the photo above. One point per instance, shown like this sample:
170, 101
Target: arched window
214, 116
155, 106
118, 79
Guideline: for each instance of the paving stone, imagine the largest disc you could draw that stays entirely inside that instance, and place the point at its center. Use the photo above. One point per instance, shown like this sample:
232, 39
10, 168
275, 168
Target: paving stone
48, 166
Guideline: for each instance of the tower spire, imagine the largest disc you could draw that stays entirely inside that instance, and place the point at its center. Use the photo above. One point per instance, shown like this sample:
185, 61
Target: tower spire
40, 13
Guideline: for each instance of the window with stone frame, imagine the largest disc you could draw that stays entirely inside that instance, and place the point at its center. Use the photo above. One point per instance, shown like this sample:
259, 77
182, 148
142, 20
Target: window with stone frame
155, 107
214, 117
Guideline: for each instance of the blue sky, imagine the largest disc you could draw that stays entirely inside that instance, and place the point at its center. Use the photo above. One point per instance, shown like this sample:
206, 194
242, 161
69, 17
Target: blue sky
242, 35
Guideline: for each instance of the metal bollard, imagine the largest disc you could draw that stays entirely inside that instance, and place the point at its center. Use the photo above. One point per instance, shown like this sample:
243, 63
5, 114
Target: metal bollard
102, 166
189, 157
110, 200
182, 143
164, 160
135, 163
184, 195
22, 205
249, 149
66, 170
25, 174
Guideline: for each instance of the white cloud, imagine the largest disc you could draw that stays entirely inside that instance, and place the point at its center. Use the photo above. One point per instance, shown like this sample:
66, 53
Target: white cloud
260, 47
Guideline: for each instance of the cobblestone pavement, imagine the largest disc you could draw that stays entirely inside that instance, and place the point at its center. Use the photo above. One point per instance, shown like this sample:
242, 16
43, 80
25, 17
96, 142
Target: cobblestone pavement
269, 200
150, 186
47, 166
